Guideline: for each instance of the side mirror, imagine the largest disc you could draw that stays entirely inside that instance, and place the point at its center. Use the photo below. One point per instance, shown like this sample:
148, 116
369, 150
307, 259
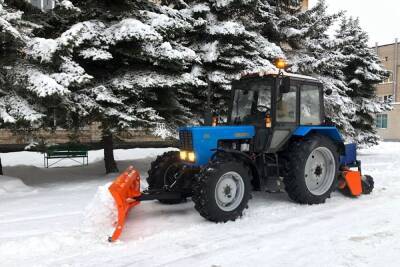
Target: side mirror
328, 91
284, 88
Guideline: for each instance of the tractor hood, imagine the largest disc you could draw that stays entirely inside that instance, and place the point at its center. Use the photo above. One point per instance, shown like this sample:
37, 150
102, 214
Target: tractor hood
203, 140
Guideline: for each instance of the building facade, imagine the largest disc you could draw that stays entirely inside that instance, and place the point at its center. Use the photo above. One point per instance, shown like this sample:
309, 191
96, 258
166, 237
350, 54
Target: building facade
304, 5
388, 123
43, 4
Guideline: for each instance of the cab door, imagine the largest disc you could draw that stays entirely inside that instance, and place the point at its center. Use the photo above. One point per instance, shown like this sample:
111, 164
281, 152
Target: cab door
286, 116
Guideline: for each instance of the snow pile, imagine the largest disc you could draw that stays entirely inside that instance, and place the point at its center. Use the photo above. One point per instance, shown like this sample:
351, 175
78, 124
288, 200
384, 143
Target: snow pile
100, 214
13, 185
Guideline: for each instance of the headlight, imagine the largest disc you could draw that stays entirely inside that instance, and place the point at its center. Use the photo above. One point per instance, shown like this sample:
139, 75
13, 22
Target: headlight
183, 155
191, 157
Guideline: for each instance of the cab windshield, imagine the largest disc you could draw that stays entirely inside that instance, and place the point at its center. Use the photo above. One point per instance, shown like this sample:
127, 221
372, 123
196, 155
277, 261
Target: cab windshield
251, 101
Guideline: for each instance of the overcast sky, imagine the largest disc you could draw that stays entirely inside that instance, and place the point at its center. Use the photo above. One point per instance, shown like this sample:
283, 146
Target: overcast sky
381, 19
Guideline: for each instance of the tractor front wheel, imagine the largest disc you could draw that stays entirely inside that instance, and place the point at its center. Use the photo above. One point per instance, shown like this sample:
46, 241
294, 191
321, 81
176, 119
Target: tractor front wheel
222, 190
312, 170
165, 173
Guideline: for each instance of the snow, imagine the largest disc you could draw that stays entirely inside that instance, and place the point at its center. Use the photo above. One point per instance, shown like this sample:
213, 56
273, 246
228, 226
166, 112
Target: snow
71, 73
164, 24
210, 51
102, 94
5, 19
67, 5
78, 34
14, 159
227, 28
151, 79
166, 52
100, 214
162, 131
52, 227
131, 29
43, 85
13, 108
95, 54
223, 3
42, 49
12, 185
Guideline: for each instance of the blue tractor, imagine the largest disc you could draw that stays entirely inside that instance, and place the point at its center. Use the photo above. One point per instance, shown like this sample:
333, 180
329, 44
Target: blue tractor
275, 139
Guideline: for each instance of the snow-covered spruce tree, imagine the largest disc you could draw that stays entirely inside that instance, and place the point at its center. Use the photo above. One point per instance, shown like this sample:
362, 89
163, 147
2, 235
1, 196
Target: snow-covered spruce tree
311, 51
228, 41
124, 63
362, 71
16, 107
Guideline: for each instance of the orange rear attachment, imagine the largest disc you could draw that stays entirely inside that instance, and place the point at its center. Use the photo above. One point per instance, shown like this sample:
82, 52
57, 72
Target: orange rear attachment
353, 182
124, 191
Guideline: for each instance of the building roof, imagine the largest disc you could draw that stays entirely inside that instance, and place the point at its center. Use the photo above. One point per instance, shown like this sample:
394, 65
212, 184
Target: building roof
386, 44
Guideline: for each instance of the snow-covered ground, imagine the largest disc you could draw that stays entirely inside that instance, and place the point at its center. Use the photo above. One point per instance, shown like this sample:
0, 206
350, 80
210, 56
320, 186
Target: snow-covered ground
44, 221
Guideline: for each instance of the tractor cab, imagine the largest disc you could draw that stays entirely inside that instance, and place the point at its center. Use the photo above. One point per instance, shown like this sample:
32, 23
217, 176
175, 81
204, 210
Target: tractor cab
276, 103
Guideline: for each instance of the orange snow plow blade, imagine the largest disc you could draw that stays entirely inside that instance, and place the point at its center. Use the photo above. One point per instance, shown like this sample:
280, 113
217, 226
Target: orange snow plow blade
125, 189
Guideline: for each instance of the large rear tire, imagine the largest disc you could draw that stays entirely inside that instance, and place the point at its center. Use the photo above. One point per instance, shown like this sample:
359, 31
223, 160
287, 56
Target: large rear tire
164, 172
312, 169
222, 190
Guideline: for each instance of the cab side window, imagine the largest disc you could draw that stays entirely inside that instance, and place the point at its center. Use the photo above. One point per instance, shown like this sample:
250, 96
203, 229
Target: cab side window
310, 105
286, 106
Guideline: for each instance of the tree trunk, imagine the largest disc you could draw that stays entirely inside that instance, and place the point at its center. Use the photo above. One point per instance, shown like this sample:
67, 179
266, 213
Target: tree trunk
109, 161
1, 168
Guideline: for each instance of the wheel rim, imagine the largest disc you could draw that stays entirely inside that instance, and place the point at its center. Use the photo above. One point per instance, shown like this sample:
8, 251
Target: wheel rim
320, 171
229, 191
170, 175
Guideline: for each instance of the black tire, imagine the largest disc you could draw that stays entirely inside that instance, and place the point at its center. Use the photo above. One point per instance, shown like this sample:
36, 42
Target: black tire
367, 184
295, 178
205, 195
158, 178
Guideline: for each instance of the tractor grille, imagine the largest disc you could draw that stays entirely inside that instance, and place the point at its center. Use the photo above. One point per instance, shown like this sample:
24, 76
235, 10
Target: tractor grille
186, 140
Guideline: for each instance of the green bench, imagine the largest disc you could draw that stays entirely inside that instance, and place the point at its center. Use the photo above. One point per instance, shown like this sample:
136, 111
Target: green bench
66, 151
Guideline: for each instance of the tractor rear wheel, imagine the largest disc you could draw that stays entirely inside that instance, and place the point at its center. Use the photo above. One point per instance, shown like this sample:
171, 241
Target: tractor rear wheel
222, 190
312, 169
165, 172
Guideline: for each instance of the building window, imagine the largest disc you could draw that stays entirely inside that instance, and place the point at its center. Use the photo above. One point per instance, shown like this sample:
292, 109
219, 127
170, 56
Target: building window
42, 4
389, 79
381, 121
385, 98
